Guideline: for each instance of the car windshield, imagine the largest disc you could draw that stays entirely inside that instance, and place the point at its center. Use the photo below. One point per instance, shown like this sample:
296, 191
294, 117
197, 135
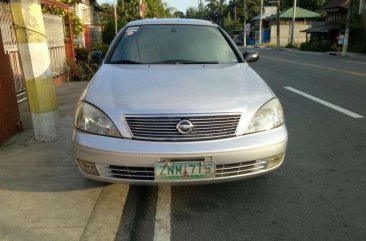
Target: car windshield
173, 44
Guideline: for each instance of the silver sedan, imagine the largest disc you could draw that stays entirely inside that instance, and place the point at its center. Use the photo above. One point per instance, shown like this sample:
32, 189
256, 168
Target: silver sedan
176, 102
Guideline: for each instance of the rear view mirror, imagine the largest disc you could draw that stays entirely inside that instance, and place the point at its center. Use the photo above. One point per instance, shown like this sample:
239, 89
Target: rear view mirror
251, 56
95, 57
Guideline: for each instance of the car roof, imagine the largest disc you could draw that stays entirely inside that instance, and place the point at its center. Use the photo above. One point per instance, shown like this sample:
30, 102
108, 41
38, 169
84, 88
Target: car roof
171, 21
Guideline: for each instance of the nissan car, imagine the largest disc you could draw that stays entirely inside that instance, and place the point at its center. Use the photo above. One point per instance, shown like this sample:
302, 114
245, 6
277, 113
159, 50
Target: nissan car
175, 102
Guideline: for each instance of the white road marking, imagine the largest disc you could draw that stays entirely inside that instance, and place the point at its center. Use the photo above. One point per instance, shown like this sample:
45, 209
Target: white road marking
162, 217
315, 66
323, 102
355, 62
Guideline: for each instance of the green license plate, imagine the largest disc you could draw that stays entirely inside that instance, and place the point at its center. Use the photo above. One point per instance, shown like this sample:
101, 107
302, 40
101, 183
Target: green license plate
186, 170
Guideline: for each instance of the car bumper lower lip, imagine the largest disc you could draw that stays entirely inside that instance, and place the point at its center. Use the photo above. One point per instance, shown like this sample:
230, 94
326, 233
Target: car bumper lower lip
239, 153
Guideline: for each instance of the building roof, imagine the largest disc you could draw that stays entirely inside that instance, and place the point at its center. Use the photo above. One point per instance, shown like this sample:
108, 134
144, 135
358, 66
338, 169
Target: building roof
300, 13
321, 27
267, 12
336, 4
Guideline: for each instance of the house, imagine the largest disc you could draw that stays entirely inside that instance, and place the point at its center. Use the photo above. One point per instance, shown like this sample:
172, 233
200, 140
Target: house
335, 16
255, 22
89, 12
303, 20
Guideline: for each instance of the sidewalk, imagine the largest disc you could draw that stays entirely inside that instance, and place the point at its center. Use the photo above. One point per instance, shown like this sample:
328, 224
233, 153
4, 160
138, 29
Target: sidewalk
43, 196
349, 54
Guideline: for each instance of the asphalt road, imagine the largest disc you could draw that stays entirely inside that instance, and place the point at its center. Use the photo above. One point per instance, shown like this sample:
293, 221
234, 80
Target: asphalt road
319, 193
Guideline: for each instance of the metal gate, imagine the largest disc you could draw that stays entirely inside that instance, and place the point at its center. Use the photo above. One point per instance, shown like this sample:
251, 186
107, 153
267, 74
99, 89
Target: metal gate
11, 49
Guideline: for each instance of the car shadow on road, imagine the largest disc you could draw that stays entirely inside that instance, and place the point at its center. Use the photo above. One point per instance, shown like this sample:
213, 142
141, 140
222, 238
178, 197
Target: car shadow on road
29, 166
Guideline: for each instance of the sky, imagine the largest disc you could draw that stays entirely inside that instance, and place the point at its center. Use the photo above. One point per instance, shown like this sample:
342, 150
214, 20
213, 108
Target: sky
181, 5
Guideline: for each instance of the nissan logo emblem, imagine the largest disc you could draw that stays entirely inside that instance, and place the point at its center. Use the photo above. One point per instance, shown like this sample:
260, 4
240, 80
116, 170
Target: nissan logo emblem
184, 127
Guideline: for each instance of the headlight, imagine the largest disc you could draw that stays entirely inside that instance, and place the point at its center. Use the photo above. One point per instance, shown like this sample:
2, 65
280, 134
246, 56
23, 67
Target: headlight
92, 120
269, 116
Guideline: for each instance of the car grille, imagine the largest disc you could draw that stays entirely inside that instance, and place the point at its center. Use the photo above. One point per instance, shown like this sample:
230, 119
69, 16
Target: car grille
163, 128
129, 173
147, 173
239, 168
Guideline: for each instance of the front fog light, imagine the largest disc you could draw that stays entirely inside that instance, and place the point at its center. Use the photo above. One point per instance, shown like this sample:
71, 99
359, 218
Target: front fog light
275, 161
88, 167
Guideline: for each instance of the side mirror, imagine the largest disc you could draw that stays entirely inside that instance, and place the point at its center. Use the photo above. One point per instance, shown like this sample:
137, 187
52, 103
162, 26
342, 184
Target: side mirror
251, 57
95, 57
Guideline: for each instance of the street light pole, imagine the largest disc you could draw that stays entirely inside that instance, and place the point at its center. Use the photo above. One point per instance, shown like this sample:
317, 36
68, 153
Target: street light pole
292, 42
245, 23
260, 23
278, 25
348, 25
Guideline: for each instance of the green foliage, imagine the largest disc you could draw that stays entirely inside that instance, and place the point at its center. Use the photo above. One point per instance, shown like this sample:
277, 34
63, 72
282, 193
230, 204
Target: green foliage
216, 11
81, 54
305, 46
76, 23
101, 47
313, 5
289, 45
195, 13
109, 31
84, 71
155, 9
316, 46
127, 11
179, 14
357, 47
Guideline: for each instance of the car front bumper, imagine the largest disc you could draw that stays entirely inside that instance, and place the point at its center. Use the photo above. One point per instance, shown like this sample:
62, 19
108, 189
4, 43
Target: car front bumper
119, 160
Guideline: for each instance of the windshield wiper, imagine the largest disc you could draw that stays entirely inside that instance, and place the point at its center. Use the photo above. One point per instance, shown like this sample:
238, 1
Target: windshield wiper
124, 61
183, 61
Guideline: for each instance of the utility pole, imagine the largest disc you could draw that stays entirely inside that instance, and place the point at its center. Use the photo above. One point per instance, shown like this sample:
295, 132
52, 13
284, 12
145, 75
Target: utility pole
260, 23
348, 25
245, 23
115, 16
141, 9
360, 8
278, 24
278, 2
235, 13
35, 58
292, 42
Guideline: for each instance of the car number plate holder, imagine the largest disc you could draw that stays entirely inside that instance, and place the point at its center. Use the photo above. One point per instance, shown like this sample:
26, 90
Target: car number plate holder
180, 170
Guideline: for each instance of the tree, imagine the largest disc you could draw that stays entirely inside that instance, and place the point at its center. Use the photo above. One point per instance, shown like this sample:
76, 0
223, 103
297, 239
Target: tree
313, 5
179, 14
127, 11
215, 10
192, 12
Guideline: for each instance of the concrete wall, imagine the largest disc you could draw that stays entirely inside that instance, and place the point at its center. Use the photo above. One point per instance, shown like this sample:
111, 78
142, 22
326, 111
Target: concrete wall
285, 31
55, 32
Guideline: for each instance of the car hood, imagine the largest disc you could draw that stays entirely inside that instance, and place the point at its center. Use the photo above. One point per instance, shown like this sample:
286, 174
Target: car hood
161, 89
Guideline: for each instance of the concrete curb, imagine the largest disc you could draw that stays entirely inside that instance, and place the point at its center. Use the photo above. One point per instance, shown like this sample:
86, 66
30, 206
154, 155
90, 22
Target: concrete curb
104, 221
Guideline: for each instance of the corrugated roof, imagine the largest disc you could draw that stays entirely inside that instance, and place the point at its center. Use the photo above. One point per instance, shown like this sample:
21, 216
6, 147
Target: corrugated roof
322, 27
336, 4
300, 13
267, 11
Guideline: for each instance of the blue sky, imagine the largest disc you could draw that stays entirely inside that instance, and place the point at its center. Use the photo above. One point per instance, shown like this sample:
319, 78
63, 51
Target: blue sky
181, 5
